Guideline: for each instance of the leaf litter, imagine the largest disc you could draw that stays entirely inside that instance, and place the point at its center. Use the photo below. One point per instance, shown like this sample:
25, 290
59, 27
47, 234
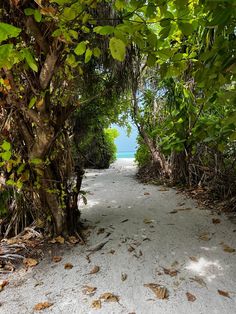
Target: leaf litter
190, 297
160, 291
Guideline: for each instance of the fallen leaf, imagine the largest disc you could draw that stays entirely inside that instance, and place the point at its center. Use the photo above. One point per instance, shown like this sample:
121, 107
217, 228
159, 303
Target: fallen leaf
97, 247
68, 266
224, 293
173, 211
124, 220
146, 193
190, 297
96, 304
30, 262
3, 284
193, 258
124, 276
94, 270
131, 249
228, 249
163, 189
89, 290
170, 272
183, 209
215, 221
100, 230
205, 237
60, 240
199, 280
109, 297
42, 306
160, 291
56, 259
73, 240
147, 221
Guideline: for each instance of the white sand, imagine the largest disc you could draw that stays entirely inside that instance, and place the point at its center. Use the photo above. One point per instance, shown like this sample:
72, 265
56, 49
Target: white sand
167, 239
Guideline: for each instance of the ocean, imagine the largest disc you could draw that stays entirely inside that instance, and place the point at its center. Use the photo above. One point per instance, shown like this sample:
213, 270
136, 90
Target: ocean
125, 155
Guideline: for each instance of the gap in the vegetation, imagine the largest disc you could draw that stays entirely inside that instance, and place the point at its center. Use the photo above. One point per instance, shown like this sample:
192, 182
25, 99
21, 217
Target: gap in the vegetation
126, 144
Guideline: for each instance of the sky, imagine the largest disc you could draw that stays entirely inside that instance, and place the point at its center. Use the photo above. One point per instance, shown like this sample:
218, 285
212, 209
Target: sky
125, 143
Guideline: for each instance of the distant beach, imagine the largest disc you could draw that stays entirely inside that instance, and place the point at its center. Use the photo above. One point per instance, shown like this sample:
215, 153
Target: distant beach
125, 155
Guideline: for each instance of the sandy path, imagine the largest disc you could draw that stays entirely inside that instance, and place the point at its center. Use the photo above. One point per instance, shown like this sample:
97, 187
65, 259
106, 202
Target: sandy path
136, 216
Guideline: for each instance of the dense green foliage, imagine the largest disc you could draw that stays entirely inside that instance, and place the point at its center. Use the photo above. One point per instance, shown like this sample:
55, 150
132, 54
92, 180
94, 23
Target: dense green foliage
97, 149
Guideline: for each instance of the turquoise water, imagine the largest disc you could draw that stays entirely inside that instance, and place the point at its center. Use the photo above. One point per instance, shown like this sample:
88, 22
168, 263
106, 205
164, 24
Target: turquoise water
125, 155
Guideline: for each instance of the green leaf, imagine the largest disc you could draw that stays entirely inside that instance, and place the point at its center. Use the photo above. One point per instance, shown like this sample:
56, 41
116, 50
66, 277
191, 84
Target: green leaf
30, 60
8, 31
61, 2
69, 14
104, 30
186, 28
117, 48
71, 60
37, 16
29, 11
232, 137
80, 48
6, 155
32, 102
6, 146
120, 5
5, 56
96, 52
36, 161
10, 182
88, 55
57, 33
151, 60
73, 33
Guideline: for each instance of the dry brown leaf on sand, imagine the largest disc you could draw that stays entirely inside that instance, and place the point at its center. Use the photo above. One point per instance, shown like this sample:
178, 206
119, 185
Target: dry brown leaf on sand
101, 230
109, 297
94, 270
88, 290
68, 266
131, 249
163, 189
173, 211
215, 221
228, 249
147, 221
146, 193
160, 291
30, 262
56, 259
205, 236
73, 240
42, 306
190, 297
58, 239
170, 272
224, 293
3, 284
96, 304
124, 276
183, 208
199, 280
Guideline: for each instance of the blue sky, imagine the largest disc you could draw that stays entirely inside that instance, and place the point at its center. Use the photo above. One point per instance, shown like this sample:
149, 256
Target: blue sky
125, 143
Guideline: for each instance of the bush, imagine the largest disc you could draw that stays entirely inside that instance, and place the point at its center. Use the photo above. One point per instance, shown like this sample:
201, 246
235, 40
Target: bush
98, 148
